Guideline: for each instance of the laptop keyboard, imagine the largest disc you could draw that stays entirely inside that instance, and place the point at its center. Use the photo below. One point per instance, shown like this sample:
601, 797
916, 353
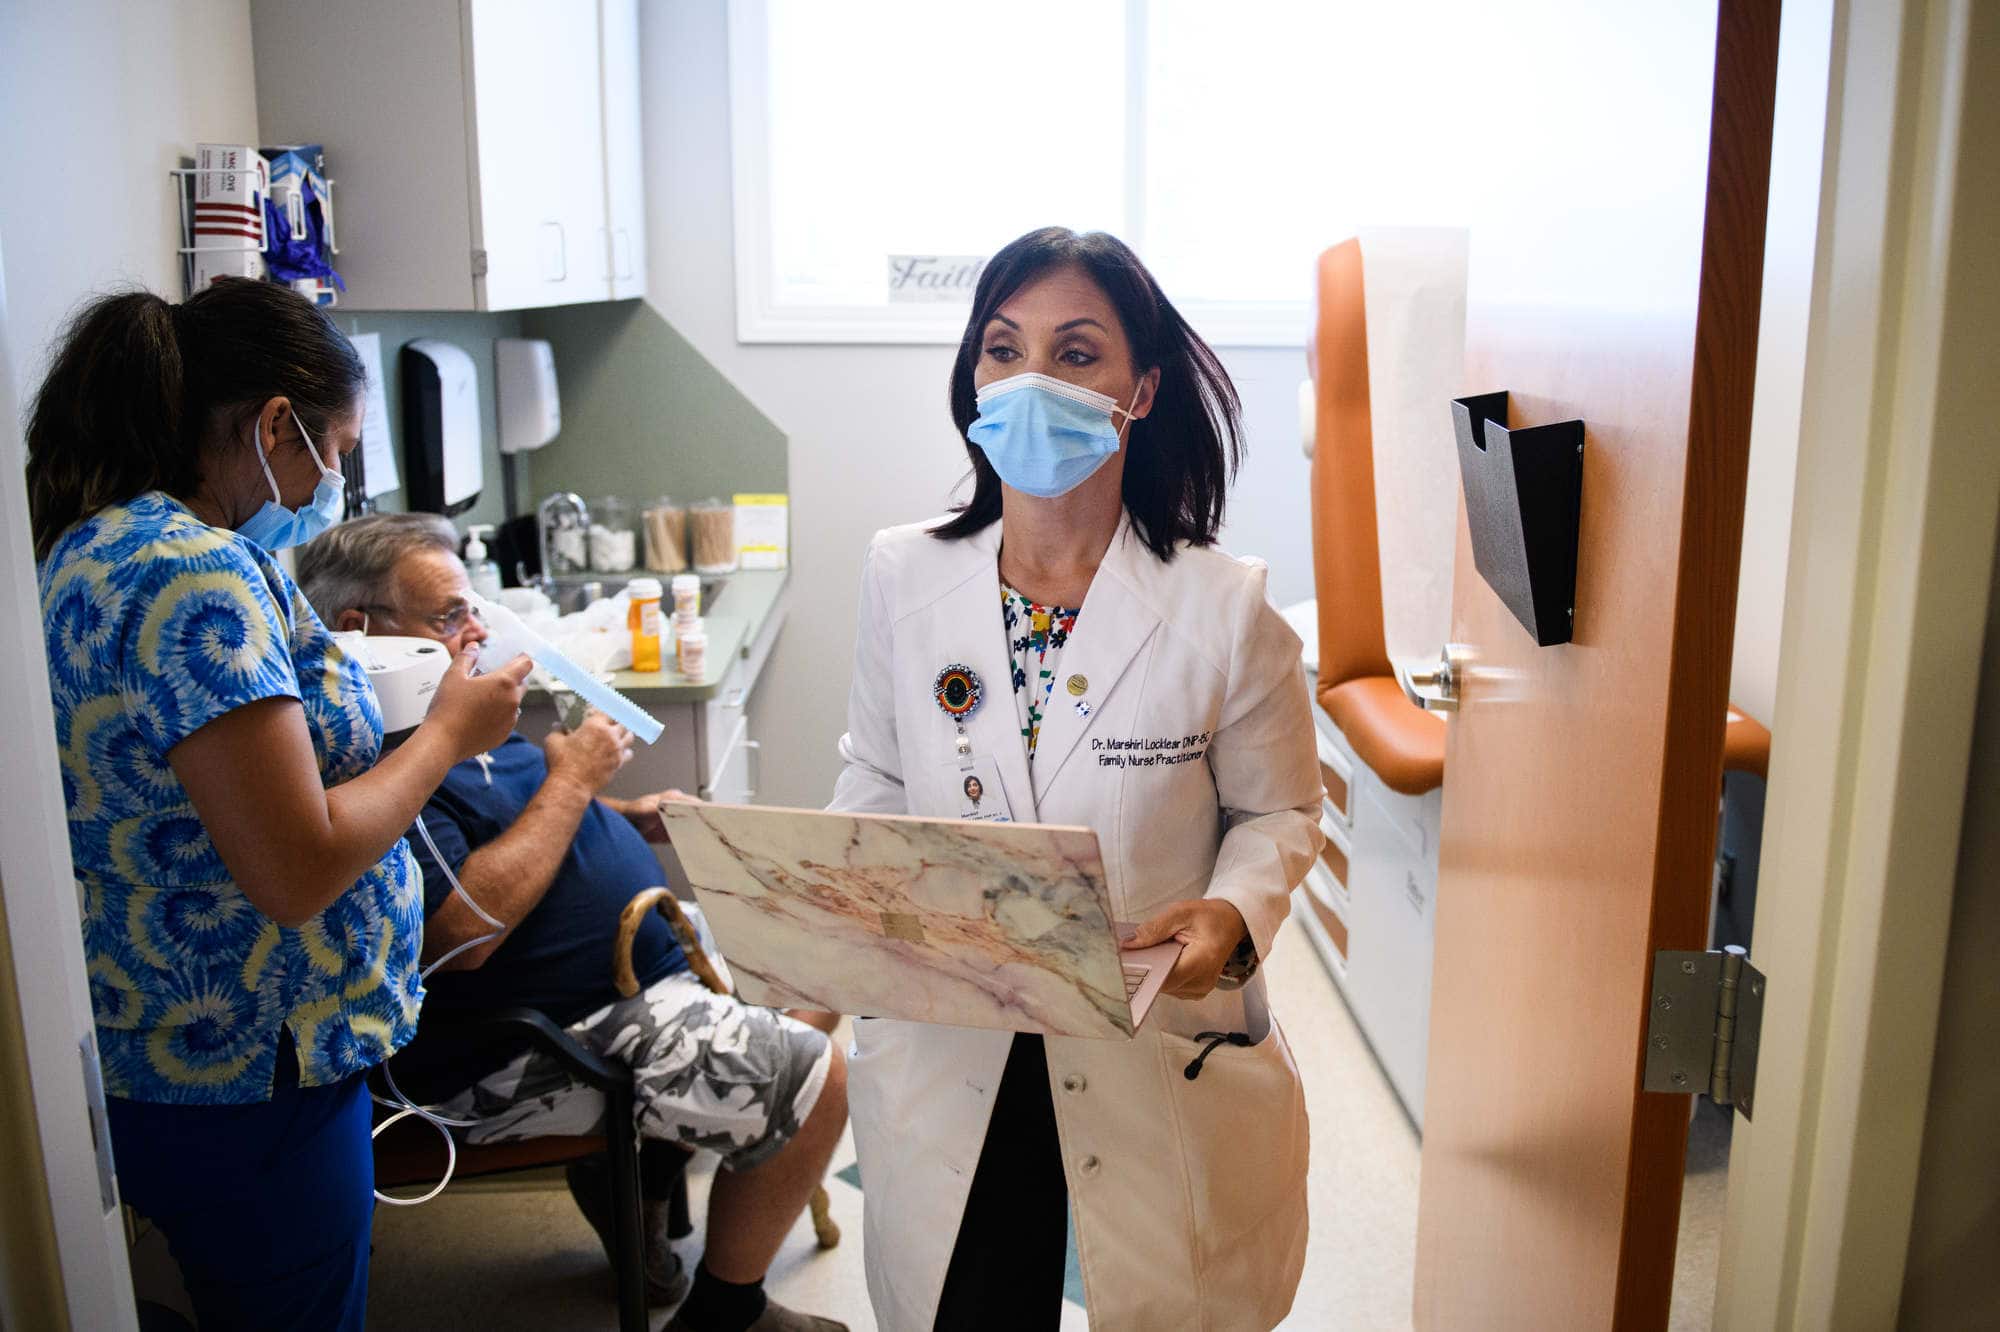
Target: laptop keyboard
1135, 976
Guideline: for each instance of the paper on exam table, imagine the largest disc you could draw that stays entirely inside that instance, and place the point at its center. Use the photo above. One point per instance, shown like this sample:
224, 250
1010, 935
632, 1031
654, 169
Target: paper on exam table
378, 446
1413, 288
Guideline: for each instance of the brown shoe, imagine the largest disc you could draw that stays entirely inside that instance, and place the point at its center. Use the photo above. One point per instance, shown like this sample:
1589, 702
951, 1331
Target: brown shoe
775, 1318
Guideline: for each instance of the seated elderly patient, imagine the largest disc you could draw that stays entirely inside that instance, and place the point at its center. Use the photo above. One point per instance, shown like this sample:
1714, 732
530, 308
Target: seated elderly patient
533, 840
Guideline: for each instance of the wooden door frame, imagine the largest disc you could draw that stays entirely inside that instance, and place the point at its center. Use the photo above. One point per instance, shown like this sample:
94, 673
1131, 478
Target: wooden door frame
62, 1254
1891, 556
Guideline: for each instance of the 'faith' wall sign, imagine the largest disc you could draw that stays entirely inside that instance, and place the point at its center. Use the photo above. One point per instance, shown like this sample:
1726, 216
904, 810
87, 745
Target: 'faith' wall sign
929, 278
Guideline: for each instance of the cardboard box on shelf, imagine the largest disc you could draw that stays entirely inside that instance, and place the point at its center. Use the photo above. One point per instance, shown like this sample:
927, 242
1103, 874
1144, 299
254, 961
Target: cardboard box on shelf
762, 531
230, 183
302, 256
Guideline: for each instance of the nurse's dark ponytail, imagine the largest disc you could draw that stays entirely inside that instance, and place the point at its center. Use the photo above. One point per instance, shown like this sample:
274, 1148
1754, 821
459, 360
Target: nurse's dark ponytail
138, 389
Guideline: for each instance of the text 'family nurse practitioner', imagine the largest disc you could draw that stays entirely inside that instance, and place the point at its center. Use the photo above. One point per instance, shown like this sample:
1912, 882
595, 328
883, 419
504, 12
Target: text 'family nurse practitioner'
1074, 636
251, 914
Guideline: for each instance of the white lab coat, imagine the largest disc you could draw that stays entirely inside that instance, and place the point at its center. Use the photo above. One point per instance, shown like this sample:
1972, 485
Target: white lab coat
1189, 1196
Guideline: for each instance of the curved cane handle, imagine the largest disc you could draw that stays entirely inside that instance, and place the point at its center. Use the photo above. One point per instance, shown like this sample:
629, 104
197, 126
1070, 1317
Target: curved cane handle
628, 929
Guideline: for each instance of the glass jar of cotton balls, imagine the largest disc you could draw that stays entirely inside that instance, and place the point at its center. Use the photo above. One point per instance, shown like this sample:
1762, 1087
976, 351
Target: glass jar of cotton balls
614, 535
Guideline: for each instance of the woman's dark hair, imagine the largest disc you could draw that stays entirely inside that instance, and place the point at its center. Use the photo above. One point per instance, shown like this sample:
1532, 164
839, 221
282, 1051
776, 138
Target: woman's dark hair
1180, 458
138, 388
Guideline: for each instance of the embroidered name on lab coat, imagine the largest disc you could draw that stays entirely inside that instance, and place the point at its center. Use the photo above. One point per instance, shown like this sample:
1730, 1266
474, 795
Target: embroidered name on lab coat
1157, 752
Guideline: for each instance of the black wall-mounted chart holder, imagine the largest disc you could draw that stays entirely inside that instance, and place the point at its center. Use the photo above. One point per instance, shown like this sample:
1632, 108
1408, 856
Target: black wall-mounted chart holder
1523, 501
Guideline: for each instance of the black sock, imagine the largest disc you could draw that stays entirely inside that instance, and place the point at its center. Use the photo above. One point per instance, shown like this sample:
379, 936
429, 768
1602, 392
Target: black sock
715, 1305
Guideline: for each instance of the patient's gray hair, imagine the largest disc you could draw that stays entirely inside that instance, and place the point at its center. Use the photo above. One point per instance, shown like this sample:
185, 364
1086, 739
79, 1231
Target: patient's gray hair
352, 564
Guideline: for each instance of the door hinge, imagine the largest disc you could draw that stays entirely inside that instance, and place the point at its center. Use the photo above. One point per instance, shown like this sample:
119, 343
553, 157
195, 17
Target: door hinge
479, 263
1707, 1014
100, 1123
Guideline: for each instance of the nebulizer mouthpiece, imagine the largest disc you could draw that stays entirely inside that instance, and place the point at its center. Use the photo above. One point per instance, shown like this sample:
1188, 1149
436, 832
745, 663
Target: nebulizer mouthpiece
508, 636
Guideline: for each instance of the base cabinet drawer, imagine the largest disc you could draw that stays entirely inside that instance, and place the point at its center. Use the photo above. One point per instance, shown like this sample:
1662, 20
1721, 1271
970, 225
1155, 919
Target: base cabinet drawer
733, 781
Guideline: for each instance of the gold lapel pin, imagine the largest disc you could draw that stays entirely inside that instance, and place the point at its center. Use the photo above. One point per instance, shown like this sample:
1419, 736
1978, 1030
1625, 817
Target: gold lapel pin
1078, 685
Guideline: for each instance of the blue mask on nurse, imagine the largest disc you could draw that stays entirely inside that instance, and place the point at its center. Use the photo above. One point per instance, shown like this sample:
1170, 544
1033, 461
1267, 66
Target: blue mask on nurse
274, 527
1043, 435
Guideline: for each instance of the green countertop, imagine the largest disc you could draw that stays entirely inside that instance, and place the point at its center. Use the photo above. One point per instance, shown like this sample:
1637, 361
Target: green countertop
737, 617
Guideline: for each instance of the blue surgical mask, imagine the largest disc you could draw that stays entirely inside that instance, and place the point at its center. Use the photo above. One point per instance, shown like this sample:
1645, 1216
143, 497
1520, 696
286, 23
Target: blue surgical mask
274, 526
1045, 436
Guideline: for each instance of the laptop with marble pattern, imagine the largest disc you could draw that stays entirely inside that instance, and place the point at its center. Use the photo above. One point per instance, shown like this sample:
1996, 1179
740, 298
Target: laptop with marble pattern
951, 921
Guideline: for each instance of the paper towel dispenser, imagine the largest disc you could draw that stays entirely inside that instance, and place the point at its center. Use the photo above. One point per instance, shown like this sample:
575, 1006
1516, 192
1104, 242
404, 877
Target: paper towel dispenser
524, 375
441, 448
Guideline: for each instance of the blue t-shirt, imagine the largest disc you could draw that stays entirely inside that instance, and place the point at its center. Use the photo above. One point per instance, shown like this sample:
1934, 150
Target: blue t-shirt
558, 960
157, 624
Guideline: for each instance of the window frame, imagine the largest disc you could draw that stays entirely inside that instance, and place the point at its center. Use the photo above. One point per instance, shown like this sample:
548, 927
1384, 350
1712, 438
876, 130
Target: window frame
762, 318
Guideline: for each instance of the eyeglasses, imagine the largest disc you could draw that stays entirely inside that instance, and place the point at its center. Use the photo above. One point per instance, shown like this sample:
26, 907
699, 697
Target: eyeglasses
446, 624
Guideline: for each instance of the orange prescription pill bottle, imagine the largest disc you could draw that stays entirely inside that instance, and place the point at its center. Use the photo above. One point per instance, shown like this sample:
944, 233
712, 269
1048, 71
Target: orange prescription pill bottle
644, 621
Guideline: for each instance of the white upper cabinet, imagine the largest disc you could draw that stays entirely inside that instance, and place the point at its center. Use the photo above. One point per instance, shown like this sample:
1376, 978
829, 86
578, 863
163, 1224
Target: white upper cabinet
485, 152
625, 191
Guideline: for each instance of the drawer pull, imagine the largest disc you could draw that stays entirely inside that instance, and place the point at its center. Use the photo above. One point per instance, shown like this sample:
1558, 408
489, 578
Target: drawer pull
1335, 782
1330, 921
1335, 860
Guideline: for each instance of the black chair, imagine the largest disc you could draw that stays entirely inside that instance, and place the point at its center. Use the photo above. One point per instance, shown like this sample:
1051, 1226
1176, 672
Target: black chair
409, 1152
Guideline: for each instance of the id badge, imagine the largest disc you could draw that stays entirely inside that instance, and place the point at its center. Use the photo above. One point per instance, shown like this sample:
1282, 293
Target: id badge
975, 781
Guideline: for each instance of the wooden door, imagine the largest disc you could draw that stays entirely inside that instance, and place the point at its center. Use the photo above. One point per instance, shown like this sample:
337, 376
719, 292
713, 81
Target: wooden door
1581, 780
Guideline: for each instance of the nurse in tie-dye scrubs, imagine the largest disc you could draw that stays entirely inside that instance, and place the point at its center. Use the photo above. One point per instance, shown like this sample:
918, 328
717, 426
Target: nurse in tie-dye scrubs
252, 916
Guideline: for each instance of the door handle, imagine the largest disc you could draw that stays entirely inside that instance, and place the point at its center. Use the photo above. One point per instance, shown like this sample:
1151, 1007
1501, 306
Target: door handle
555, 252
1433, 688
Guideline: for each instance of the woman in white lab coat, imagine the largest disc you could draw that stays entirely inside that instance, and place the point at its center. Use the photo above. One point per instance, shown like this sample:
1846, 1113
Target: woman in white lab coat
1107, 666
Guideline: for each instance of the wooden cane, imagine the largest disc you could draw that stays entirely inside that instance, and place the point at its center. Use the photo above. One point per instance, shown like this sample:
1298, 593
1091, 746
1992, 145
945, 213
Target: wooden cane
825, 1230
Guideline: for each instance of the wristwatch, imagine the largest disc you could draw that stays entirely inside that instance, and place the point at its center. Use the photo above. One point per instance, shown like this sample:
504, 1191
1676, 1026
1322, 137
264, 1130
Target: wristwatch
1240, 967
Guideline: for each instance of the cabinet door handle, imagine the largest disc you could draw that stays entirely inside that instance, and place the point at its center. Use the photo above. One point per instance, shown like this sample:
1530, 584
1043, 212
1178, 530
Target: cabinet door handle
555, 257
756, 778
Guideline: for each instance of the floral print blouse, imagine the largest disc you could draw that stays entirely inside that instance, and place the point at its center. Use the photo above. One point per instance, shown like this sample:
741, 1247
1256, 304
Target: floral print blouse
1035, 635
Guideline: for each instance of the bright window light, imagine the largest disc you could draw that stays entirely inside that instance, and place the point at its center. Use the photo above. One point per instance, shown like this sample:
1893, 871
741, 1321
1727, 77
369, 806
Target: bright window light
1229, 144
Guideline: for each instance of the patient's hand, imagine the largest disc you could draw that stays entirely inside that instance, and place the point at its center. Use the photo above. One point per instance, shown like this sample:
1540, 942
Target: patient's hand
644, 812
591, 755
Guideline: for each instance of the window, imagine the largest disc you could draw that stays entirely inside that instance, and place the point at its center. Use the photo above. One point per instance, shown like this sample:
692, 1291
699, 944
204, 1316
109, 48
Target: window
1229, 144
865, 131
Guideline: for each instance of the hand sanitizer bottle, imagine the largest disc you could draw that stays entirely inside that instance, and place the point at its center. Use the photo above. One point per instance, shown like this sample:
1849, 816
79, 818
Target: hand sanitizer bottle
481, 572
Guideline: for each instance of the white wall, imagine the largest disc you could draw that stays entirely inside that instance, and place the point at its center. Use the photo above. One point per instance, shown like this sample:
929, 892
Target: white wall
872, 442
100, 99
1798, 135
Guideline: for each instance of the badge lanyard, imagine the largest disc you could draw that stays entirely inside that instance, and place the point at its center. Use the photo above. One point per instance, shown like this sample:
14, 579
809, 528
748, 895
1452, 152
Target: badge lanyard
959, 692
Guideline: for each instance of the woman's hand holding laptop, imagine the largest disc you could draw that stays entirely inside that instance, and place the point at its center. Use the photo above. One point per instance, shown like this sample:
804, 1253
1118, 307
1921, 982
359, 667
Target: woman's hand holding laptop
1209, 929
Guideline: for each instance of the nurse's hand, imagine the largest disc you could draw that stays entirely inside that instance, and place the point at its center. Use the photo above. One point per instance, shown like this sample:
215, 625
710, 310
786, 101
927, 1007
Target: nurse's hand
478, 712
1209, 928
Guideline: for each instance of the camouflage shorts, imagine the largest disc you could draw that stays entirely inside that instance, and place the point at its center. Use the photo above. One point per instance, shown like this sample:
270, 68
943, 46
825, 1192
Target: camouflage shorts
710, 1072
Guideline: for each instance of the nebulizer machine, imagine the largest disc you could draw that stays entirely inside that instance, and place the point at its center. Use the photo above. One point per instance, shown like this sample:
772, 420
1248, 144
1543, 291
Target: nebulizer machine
406, 673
